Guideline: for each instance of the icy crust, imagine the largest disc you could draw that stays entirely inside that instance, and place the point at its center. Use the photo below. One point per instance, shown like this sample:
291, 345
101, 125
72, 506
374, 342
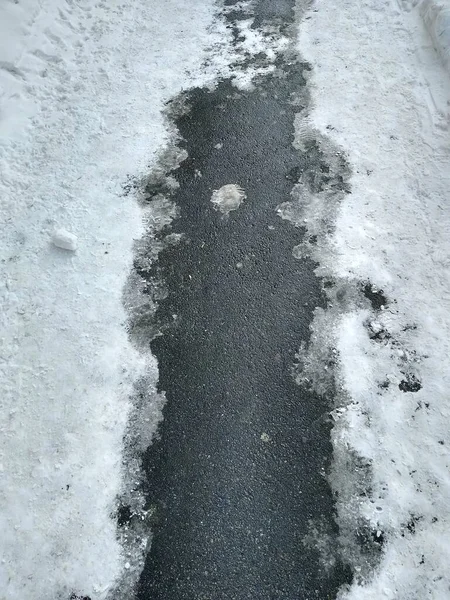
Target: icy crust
265, 41
315, 202
379, 351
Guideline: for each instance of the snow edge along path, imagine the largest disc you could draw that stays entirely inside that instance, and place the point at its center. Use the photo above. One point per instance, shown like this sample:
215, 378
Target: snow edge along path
82, 87
380, 93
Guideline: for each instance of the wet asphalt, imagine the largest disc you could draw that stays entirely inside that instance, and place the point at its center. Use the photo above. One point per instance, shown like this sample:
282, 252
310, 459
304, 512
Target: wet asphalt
235, 477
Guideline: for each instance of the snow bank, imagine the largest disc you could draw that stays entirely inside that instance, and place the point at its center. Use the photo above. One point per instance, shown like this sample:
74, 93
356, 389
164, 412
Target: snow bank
436, 16
382, 97
82, 85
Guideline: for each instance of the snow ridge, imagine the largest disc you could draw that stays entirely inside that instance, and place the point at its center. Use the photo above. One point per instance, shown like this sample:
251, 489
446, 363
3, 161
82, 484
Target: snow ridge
380, 349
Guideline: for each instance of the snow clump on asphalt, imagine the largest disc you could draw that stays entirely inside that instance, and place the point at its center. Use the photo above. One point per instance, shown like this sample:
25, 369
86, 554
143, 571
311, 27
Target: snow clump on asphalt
228, 198
83, 86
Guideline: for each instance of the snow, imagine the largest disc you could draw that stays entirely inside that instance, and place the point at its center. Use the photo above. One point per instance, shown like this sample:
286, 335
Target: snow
65, 240
381, 94
436, 15
82, 87
267, 42
228, 198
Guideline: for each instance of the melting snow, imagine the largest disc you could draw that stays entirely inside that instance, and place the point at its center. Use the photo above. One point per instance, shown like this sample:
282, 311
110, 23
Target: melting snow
64, 239
382, 94
229, 197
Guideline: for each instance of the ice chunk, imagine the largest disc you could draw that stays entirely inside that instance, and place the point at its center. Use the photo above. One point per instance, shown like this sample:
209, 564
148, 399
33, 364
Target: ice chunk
61, 238
229, 197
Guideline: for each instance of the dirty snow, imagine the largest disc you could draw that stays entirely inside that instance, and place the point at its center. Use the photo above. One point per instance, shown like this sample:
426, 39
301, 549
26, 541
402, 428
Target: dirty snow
82, 86
381, 92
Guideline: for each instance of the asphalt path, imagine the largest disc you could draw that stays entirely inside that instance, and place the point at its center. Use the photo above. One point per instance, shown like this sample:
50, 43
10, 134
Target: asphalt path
235, 478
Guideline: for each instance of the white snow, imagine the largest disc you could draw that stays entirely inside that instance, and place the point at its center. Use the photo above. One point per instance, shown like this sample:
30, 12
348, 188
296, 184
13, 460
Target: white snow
228, 198
82, 85
436, 15
381, 93
62, 238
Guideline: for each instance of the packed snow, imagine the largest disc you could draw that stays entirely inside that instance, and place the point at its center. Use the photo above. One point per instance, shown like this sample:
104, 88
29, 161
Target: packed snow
436, 16
82, 88
381, 94
229, 197
82, 91
65, 240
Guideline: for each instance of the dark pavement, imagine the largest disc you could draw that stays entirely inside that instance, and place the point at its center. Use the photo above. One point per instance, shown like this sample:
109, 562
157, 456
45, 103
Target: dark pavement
236, 473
